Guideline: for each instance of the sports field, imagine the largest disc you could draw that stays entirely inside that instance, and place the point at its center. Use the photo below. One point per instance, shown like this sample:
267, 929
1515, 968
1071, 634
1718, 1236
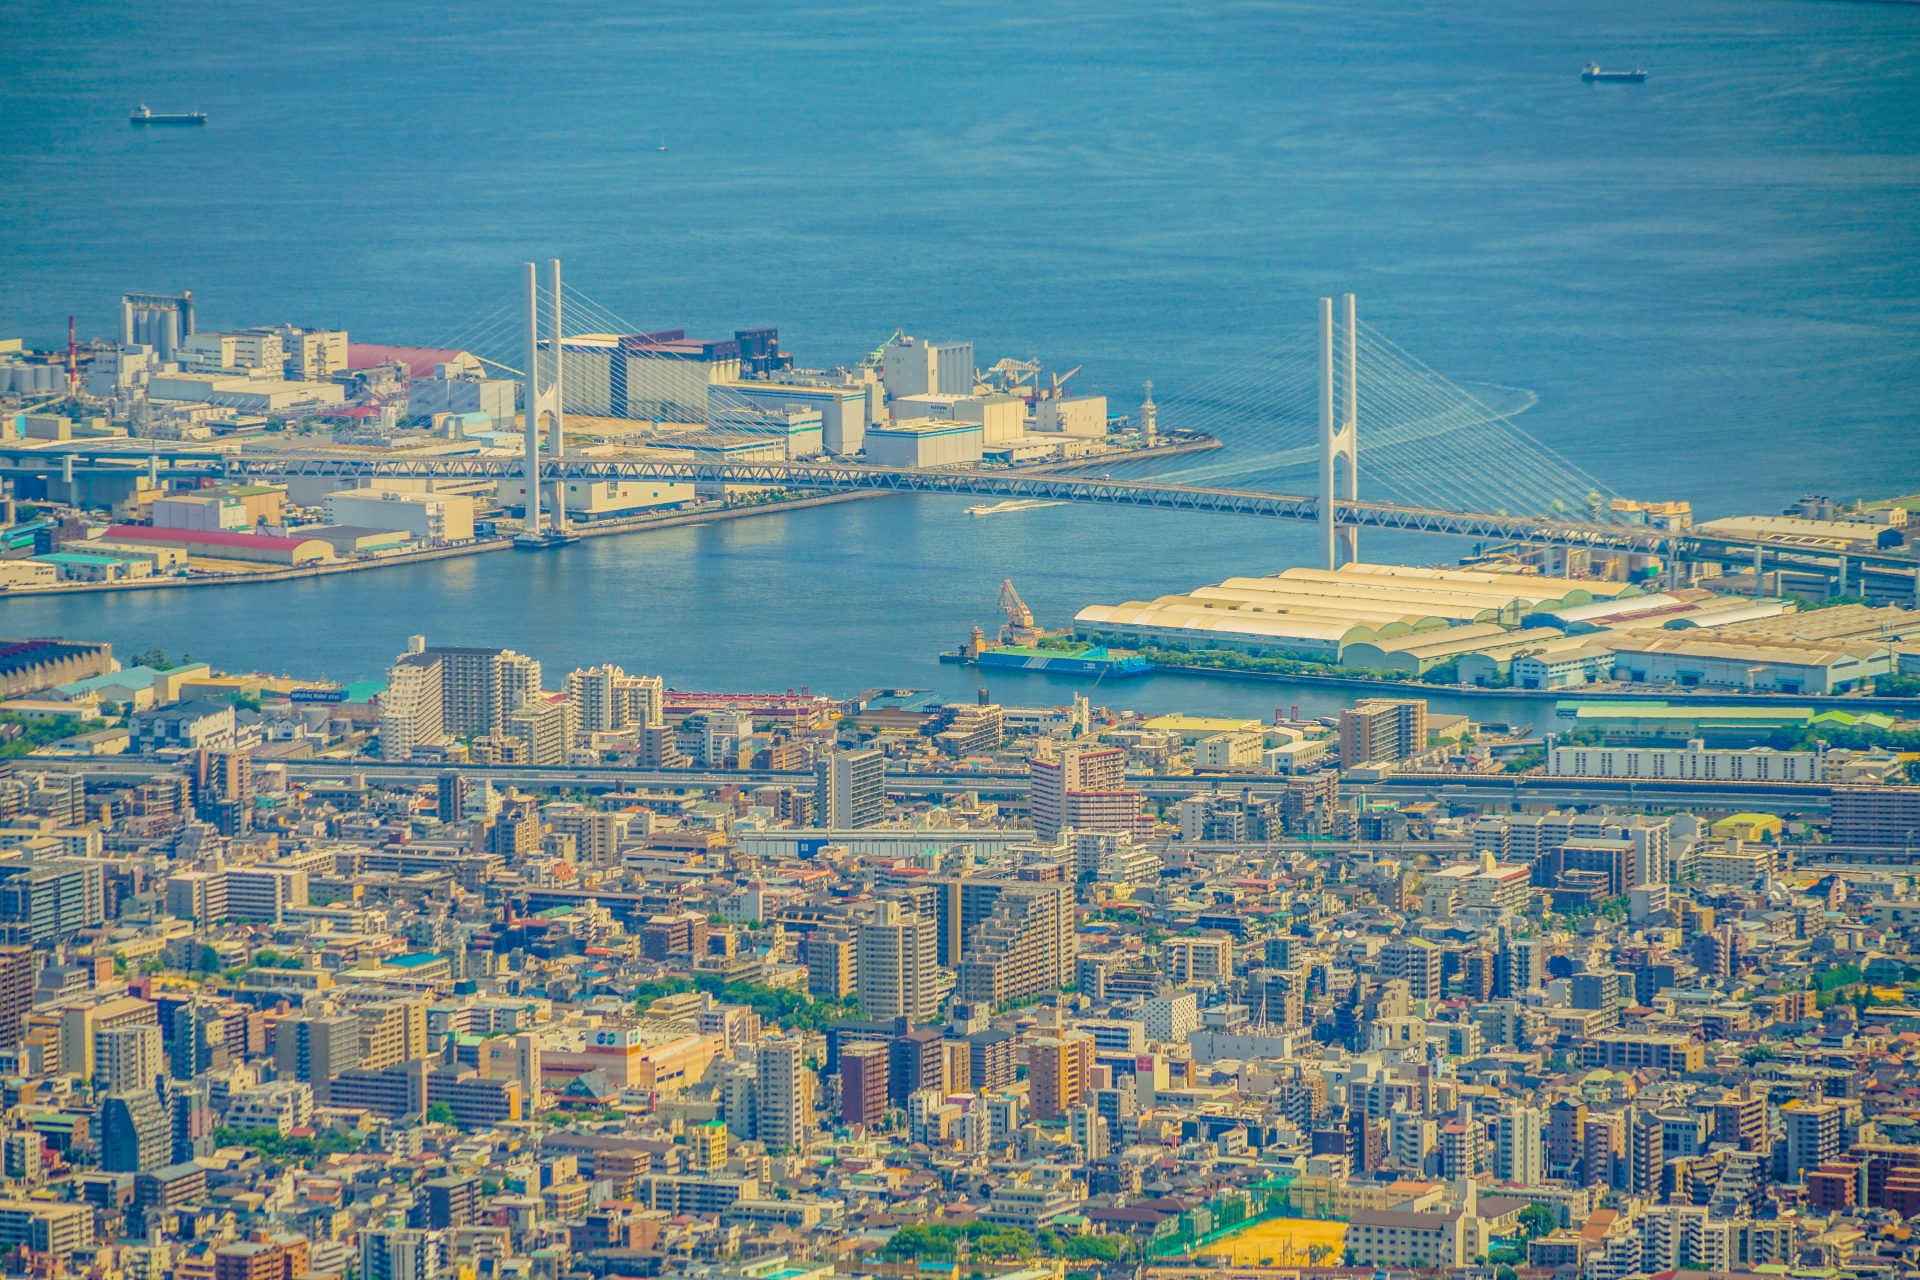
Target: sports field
1281, 1242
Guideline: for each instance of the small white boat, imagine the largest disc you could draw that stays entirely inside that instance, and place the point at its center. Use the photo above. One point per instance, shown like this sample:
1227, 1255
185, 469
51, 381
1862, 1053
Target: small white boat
1011, 504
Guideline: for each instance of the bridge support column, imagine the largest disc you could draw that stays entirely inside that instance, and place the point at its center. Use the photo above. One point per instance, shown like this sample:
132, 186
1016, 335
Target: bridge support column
531, 385
542, 402
559, 437
1338, 439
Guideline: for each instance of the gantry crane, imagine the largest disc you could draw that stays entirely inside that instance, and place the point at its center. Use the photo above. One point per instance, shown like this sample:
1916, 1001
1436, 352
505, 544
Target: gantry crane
1020, 628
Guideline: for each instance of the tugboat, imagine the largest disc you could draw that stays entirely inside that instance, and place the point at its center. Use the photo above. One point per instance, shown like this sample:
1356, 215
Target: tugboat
1594, 75
146, 116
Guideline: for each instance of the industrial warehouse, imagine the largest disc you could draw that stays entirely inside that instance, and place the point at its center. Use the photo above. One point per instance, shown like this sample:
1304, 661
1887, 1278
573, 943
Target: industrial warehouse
1526, 630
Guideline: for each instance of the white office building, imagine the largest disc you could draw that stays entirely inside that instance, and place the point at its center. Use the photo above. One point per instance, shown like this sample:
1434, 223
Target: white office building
1694, 763
924, 442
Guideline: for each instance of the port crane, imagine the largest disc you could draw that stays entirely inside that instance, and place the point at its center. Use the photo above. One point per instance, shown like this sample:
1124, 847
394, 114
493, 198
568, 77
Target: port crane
1020, 628
1010, 376
877, 358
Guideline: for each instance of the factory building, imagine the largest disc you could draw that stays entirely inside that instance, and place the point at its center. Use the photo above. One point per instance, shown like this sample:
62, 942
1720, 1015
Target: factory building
431, 518
1741, 662
662, 376
453, 390
230, 389
1695, 762
844, 410
592, 500
1322, 614
923, 442
797, 427
1084, 416
1002, 418
912, 367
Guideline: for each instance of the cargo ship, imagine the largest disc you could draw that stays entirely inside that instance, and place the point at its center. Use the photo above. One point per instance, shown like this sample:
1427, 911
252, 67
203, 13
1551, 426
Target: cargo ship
1021, 648
146, 116
1594, 75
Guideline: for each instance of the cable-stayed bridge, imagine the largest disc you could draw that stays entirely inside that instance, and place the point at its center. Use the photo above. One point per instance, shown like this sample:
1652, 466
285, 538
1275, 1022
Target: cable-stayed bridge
1292, 421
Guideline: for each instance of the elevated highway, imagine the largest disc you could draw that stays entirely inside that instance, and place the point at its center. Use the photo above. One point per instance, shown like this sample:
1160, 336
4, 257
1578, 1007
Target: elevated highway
1479, 789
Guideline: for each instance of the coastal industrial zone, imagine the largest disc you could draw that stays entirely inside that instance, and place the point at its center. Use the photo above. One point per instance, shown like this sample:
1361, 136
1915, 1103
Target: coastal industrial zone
165, 394
482, 971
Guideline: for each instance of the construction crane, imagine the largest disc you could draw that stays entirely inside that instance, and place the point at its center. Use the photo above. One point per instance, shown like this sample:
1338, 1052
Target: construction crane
1010, 375
1020, 628
877, 358
1060, 380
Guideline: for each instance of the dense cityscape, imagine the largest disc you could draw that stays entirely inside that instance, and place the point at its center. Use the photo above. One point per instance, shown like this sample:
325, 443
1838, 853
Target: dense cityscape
453, 971
765, 758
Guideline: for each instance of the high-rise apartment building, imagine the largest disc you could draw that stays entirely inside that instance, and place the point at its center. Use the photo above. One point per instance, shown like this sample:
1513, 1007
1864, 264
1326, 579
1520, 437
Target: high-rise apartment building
1059, 1071
1460, 1149
16, 993
135, 1134
473, 693
1083, 788
780, 1099
1566, 1134
1198, 962
544, 726
1519, 1147
193, 1120
1646, 1154
127, 1058
1605, 1143
829, 957
402, 1255
450, 1202
596, 832
316, 1046
51, 899
411, 713
852, 789
1814, 1134
897, 964
1019, 939
1418, 962
865, 1082
610, 700
1382, 730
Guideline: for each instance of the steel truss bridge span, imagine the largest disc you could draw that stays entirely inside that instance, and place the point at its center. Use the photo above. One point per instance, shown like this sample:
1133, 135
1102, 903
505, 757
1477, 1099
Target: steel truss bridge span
843, 477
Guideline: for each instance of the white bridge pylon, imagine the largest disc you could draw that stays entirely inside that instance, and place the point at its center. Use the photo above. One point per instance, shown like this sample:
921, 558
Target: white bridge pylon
1339, 435
543, 403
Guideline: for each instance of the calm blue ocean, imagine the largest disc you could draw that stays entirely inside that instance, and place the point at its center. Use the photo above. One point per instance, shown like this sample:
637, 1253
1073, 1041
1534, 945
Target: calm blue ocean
1709, 281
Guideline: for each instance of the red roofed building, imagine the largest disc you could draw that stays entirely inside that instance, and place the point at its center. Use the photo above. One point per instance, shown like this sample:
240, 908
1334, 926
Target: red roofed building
220, 544
419, 360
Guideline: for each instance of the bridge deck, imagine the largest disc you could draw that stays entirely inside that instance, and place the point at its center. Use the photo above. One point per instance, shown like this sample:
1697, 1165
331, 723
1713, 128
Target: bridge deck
837, 476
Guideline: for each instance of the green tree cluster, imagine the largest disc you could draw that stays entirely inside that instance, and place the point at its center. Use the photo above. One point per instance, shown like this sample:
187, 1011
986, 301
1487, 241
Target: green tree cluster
278, 1146
777, 1006
35, 734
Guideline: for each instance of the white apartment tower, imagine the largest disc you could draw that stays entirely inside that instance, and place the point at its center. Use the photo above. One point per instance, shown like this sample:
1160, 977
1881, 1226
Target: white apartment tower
896, 960
780, 1102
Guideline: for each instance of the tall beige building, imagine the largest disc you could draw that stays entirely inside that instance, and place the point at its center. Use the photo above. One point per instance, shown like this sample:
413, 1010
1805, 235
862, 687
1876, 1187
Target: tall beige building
544, 726
1382, 730
896, 959
1084, 788
780, 1094
481, 687
516, 1058
411, 708
610, 700
127, 1058
315, 1046
1018, 939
